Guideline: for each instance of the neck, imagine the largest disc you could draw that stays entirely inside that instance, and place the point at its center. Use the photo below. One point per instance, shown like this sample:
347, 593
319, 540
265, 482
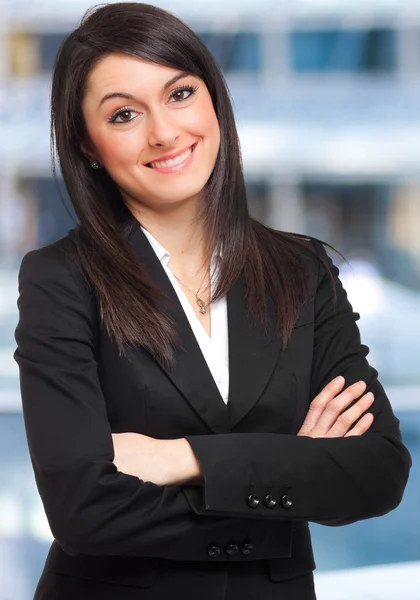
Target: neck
178, 232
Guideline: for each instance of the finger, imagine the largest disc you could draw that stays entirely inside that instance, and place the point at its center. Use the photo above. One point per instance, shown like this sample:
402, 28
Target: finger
319, 403
349, 417
362, 426
334, 408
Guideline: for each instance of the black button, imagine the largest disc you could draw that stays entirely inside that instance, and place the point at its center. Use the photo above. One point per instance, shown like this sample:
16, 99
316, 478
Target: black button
232, 549
253, 500
247, 549
270, 501
214, 551
286, 501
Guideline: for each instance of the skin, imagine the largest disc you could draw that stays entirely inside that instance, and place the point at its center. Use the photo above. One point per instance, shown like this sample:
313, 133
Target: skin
153, 123
157, 123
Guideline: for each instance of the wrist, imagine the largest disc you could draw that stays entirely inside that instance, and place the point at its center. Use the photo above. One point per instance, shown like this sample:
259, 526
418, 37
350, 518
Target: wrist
186, 463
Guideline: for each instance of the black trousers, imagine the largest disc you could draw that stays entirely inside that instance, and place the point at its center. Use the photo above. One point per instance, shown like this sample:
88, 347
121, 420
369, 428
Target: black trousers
189, 581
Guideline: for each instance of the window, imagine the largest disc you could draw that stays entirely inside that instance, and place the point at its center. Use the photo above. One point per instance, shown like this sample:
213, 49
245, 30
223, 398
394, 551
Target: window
348, 51
23, 54
239, 52
49, 44
31, 53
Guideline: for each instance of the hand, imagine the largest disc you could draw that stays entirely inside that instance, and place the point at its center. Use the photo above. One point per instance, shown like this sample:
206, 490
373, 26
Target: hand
326, 418
163, 462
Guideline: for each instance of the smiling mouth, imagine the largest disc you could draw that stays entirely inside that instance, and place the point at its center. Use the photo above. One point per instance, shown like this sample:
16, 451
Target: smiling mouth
163, 164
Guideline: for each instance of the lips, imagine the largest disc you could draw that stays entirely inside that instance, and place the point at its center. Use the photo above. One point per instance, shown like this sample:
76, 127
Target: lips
170, 156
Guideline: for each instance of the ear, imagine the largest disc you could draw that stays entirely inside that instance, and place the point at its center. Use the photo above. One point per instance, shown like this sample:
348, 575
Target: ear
88, 151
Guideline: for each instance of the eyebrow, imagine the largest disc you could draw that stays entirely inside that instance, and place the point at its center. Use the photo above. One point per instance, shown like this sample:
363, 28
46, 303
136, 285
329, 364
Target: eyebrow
168, 84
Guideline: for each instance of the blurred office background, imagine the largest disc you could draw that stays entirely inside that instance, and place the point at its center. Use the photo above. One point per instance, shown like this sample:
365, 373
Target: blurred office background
327, 100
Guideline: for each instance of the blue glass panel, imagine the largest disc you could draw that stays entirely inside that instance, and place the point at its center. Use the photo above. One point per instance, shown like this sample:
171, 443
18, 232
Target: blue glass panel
352, 51
49, 44
238, 52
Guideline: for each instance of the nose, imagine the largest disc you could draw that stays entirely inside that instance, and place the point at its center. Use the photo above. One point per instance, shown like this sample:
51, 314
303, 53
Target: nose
163, 129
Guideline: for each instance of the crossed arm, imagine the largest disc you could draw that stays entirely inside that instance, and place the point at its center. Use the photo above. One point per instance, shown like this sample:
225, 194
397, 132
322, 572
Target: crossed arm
95, 507
173, 462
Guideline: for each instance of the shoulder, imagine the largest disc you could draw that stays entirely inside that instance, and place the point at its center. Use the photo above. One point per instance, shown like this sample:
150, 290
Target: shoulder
311, 253
56, 263
54, 255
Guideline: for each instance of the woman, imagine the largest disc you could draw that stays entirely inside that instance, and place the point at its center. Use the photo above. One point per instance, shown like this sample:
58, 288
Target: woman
193, 383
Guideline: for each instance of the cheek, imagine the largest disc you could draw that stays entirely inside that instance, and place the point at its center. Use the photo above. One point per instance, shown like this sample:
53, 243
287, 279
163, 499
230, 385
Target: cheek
114, 148
211, 125
203, 121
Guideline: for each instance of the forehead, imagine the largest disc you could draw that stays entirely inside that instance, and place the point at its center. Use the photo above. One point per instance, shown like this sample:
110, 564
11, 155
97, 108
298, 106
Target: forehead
117, 70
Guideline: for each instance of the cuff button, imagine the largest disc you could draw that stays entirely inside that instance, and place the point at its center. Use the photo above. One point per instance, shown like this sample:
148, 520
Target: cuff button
270, 501
247, 549
232, 549
286, 501
214, 551
253, 500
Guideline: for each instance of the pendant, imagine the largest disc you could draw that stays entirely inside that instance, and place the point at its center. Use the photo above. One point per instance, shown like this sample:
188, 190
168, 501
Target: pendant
200, 303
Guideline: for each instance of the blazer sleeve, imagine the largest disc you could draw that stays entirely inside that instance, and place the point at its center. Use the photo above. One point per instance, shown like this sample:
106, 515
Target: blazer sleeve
92, 508
332, 481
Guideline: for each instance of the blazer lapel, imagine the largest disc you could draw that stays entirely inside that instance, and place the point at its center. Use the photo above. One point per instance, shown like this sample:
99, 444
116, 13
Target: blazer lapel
190, 373
252, 356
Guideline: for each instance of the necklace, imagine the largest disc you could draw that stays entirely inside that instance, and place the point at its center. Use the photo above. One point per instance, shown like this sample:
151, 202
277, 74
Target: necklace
198, 300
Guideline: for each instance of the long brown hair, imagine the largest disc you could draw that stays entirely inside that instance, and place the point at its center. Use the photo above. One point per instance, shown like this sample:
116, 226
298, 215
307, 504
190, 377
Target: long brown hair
131, 307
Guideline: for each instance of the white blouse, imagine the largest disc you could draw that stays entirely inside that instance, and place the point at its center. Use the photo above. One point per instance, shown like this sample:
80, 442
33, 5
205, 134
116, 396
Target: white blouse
215, 348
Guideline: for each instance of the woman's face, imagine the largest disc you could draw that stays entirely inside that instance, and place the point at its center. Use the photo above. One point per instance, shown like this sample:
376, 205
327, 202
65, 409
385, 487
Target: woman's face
137, 113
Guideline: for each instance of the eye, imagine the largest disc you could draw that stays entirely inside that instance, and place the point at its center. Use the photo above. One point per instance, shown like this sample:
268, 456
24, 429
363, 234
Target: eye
120, 116
178, 93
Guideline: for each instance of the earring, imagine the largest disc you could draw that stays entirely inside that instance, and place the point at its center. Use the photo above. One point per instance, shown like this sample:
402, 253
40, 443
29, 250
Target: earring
94, 164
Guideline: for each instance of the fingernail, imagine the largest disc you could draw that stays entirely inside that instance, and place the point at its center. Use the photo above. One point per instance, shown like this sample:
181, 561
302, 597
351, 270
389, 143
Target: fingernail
369, 396
338, 380
360, 384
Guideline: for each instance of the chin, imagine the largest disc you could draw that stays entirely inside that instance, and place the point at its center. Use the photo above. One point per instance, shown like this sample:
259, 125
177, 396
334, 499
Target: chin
182, 194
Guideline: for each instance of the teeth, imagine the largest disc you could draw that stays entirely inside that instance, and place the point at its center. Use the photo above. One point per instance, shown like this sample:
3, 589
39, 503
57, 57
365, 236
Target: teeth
171, 162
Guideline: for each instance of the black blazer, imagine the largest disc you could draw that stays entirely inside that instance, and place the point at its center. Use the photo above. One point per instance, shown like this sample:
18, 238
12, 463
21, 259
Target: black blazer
262, 482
